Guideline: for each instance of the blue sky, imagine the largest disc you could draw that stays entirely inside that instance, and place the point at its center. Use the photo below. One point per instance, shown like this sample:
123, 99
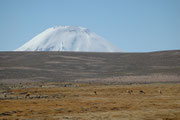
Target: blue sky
132, 25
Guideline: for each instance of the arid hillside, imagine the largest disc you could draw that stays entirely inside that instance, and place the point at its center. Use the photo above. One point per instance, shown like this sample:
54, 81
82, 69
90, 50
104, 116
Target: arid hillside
90, 67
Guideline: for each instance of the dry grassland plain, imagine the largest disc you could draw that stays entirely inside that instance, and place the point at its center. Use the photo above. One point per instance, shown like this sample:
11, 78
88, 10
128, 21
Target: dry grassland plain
55, 101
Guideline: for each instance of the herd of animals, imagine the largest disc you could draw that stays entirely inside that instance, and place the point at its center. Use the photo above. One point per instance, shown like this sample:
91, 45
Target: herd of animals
28, 95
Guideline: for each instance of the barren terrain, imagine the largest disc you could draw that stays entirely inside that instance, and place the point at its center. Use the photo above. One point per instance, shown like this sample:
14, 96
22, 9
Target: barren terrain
122, 68
90, 86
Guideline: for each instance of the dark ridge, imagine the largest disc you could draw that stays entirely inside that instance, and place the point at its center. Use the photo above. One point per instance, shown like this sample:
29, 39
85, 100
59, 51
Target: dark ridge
71, 66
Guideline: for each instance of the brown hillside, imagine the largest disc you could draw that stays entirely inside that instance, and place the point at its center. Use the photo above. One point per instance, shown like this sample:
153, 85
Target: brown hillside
79, 66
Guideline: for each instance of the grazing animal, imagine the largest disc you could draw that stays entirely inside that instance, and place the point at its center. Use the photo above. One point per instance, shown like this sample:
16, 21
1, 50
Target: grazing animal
5, 95
159, 91
141, 92
27, 95
95, 92
130, 91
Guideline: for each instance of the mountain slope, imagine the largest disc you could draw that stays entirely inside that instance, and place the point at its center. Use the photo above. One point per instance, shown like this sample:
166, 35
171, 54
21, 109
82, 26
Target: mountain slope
68, 38
161, 66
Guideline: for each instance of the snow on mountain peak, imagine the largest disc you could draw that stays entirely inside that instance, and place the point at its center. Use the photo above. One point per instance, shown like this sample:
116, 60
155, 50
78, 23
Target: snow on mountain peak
68, 38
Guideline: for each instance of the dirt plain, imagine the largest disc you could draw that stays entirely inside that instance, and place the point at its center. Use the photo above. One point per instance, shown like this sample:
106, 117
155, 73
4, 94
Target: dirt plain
59, 101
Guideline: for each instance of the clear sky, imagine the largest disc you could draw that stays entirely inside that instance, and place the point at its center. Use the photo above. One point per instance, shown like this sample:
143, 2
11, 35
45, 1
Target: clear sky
132, 25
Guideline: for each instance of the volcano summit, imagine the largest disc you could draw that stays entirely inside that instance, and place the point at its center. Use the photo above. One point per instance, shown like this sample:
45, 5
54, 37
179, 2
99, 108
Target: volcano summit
68, 38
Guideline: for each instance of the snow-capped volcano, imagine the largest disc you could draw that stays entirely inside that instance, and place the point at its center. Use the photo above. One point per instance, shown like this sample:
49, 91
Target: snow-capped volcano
68, 38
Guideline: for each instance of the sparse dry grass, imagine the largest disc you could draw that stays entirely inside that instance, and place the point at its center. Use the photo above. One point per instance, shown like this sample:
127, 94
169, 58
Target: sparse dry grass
112, 102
